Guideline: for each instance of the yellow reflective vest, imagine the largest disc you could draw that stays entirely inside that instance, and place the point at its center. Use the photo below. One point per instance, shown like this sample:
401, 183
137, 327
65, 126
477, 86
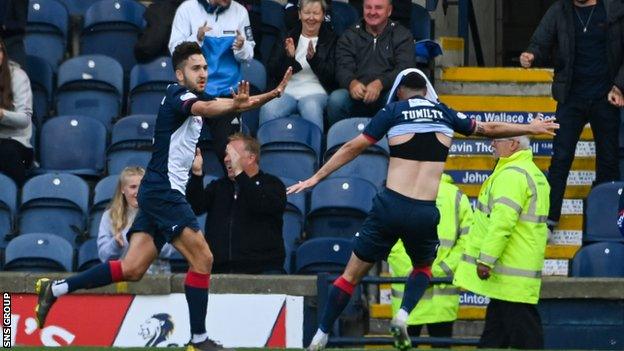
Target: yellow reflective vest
440, 302
508, 232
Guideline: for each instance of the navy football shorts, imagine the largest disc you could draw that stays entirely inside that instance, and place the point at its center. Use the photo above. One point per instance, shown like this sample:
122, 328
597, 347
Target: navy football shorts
163, 214
395, 216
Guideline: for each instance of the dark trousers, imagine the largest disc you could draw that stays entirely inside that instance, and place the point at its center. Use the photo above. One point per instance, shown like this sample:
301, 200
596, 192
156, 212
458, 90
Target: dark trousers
436, 330
512, 325
572, 116
15, 159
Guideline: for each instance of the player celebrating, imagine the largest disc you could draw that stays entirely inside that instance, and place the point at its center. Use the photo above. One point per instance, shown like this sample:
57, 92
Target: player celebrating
164, 215
419, 135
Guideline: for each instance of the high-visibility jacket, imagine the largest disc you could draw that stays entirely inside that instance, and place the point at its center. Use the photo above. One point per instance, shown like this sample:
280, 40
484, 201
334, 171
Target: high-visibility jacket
508, 232
440, 302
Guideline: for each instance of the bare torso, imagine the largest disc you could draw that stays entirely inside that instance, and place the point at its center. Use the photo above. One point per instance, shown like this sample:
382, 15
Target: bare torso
415, 179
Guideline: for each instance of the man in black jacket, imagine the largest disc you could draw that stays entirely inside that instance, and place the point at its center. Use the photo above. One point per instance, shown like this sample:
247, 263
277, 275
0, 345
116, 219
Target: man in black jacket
245, 209
588, 84
369, 55
154, 38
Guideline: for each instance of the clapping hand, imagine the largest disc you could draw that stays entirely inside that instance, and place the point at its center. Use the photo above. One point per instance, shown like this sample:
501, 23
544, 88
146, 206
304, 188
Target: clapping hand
238, 42
201, 32
289, 45
615, 97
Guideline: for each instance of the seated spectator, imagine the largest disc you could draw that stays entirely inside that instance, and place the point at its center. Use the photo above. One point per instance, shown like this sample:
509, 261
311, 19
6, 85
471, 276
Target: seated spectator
245, 209
154, 38
116, 221
369, 56
309, 49
16, 152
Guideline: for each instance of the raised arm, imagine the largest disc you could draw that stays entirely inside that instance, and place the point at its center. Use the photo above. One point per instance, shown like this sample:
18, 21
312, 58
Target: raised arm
495, 130
344, 155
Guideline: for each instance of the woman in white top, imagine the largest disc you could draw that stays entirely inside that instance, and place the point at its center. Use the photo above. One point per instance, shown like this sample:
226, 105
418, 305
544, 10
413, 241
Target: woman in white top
309, 48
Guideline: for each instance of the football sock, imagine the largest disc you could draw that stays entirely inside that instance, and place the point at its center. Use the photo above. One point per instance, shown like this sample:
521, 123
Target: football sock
339, 296
196, 291
417, 283
197, 338
100, 275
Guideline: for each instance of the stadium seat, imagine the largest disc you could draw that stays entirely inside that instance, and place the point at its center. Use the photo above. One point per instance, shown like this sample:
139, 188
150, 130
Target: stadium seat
131, 143
209, 178
604, 259
111, 28
272, 14
46, 31
102, 195
73, 144
54, 203
41, 78
322, 255
420, 23
343, 16
148, 85
78, 7
293, 224
338, 207
39, 252
290, 147
8, 205
602, 212
90, 86
211, 164
254, 72
371, 165
88, 255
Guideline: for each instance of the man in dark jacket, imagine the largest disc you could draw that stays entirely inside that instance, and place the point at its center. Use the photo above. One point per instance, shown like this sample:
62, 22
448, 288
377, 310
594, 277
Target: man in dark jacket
588, 84
369, 55
154, 38
245, 209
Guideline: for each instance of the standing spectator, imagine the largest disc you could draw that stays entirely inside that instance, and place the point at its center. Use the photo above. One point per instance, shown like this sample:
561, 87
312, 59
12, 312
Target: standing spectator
504, 253
245, 209
369, 56
154, 38
588, 84
222, 29
13, 18
439, 305
309, 50
16, 152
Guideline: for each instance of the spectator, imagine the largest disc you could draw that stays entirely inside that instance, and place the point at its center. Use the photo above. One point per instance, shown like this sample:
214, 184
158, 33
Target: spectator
309, 50
504, 252
222, 29
291, 13
153, 40
117, 219
13, 18
588, 84
16, 152
245, 209
439, 305
369, 56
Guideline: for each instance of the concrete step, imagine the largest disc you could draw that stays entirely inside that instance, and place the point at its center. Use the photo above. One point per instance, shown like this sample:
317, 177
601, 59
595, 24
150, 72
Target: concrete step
463, 103
487, 163
489, 88
497, 74
586, 134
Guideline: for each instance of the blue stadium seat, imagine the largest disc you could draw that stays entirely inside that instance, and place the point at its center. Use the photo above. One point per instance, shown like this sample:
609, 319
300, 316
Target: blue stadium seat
602, 212
604, 259
209, 178
88, 255
254, 72
90, 86
420, 23
291, 147
211, 164
8, 205
46, 30
131, 142
292, 228
54, 203
73, 144
78, 7
111, 28
102, 195
148, 85
41, 78
371, 165
272, 15
338, 207
321, 255
39, 253
343, 16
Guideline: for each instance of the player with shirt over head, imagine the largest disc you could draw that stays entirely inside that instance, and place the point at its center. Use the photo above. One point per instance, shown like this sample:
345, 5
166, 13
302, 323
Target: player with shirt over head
419, 134
164, 215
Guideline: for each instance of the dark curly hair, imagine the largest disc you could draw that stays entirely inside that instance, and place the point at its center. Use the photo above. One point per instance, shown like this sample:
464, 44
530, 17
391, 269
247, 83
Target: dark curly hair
183, 51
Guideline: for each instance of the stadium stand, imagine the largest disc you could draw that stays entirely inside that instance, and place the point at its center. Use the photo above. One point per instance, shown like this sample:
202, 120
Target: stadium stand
420, 23
42, 84
102, 194
87, 255
601, 213
46, 31
292, 229
343, 16
39, 252
8, 206
131, 142
323, 255
254, 72
148, 85
604, 259
272, 14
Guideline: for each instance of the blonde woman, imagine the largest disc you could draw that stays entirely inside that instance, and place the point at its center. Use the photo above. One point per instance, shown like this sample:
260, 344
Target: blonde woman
117, 219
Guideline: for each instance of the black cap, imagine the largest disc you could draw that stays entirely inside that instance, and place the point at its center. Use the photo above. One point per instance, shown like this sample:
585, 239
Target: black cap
414, 80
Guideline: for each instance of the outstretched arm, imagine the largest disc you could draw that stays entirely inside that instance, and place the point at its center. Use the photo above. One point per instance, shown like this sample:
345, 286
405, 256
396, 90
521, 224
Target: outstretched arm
344, 155
537, 126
